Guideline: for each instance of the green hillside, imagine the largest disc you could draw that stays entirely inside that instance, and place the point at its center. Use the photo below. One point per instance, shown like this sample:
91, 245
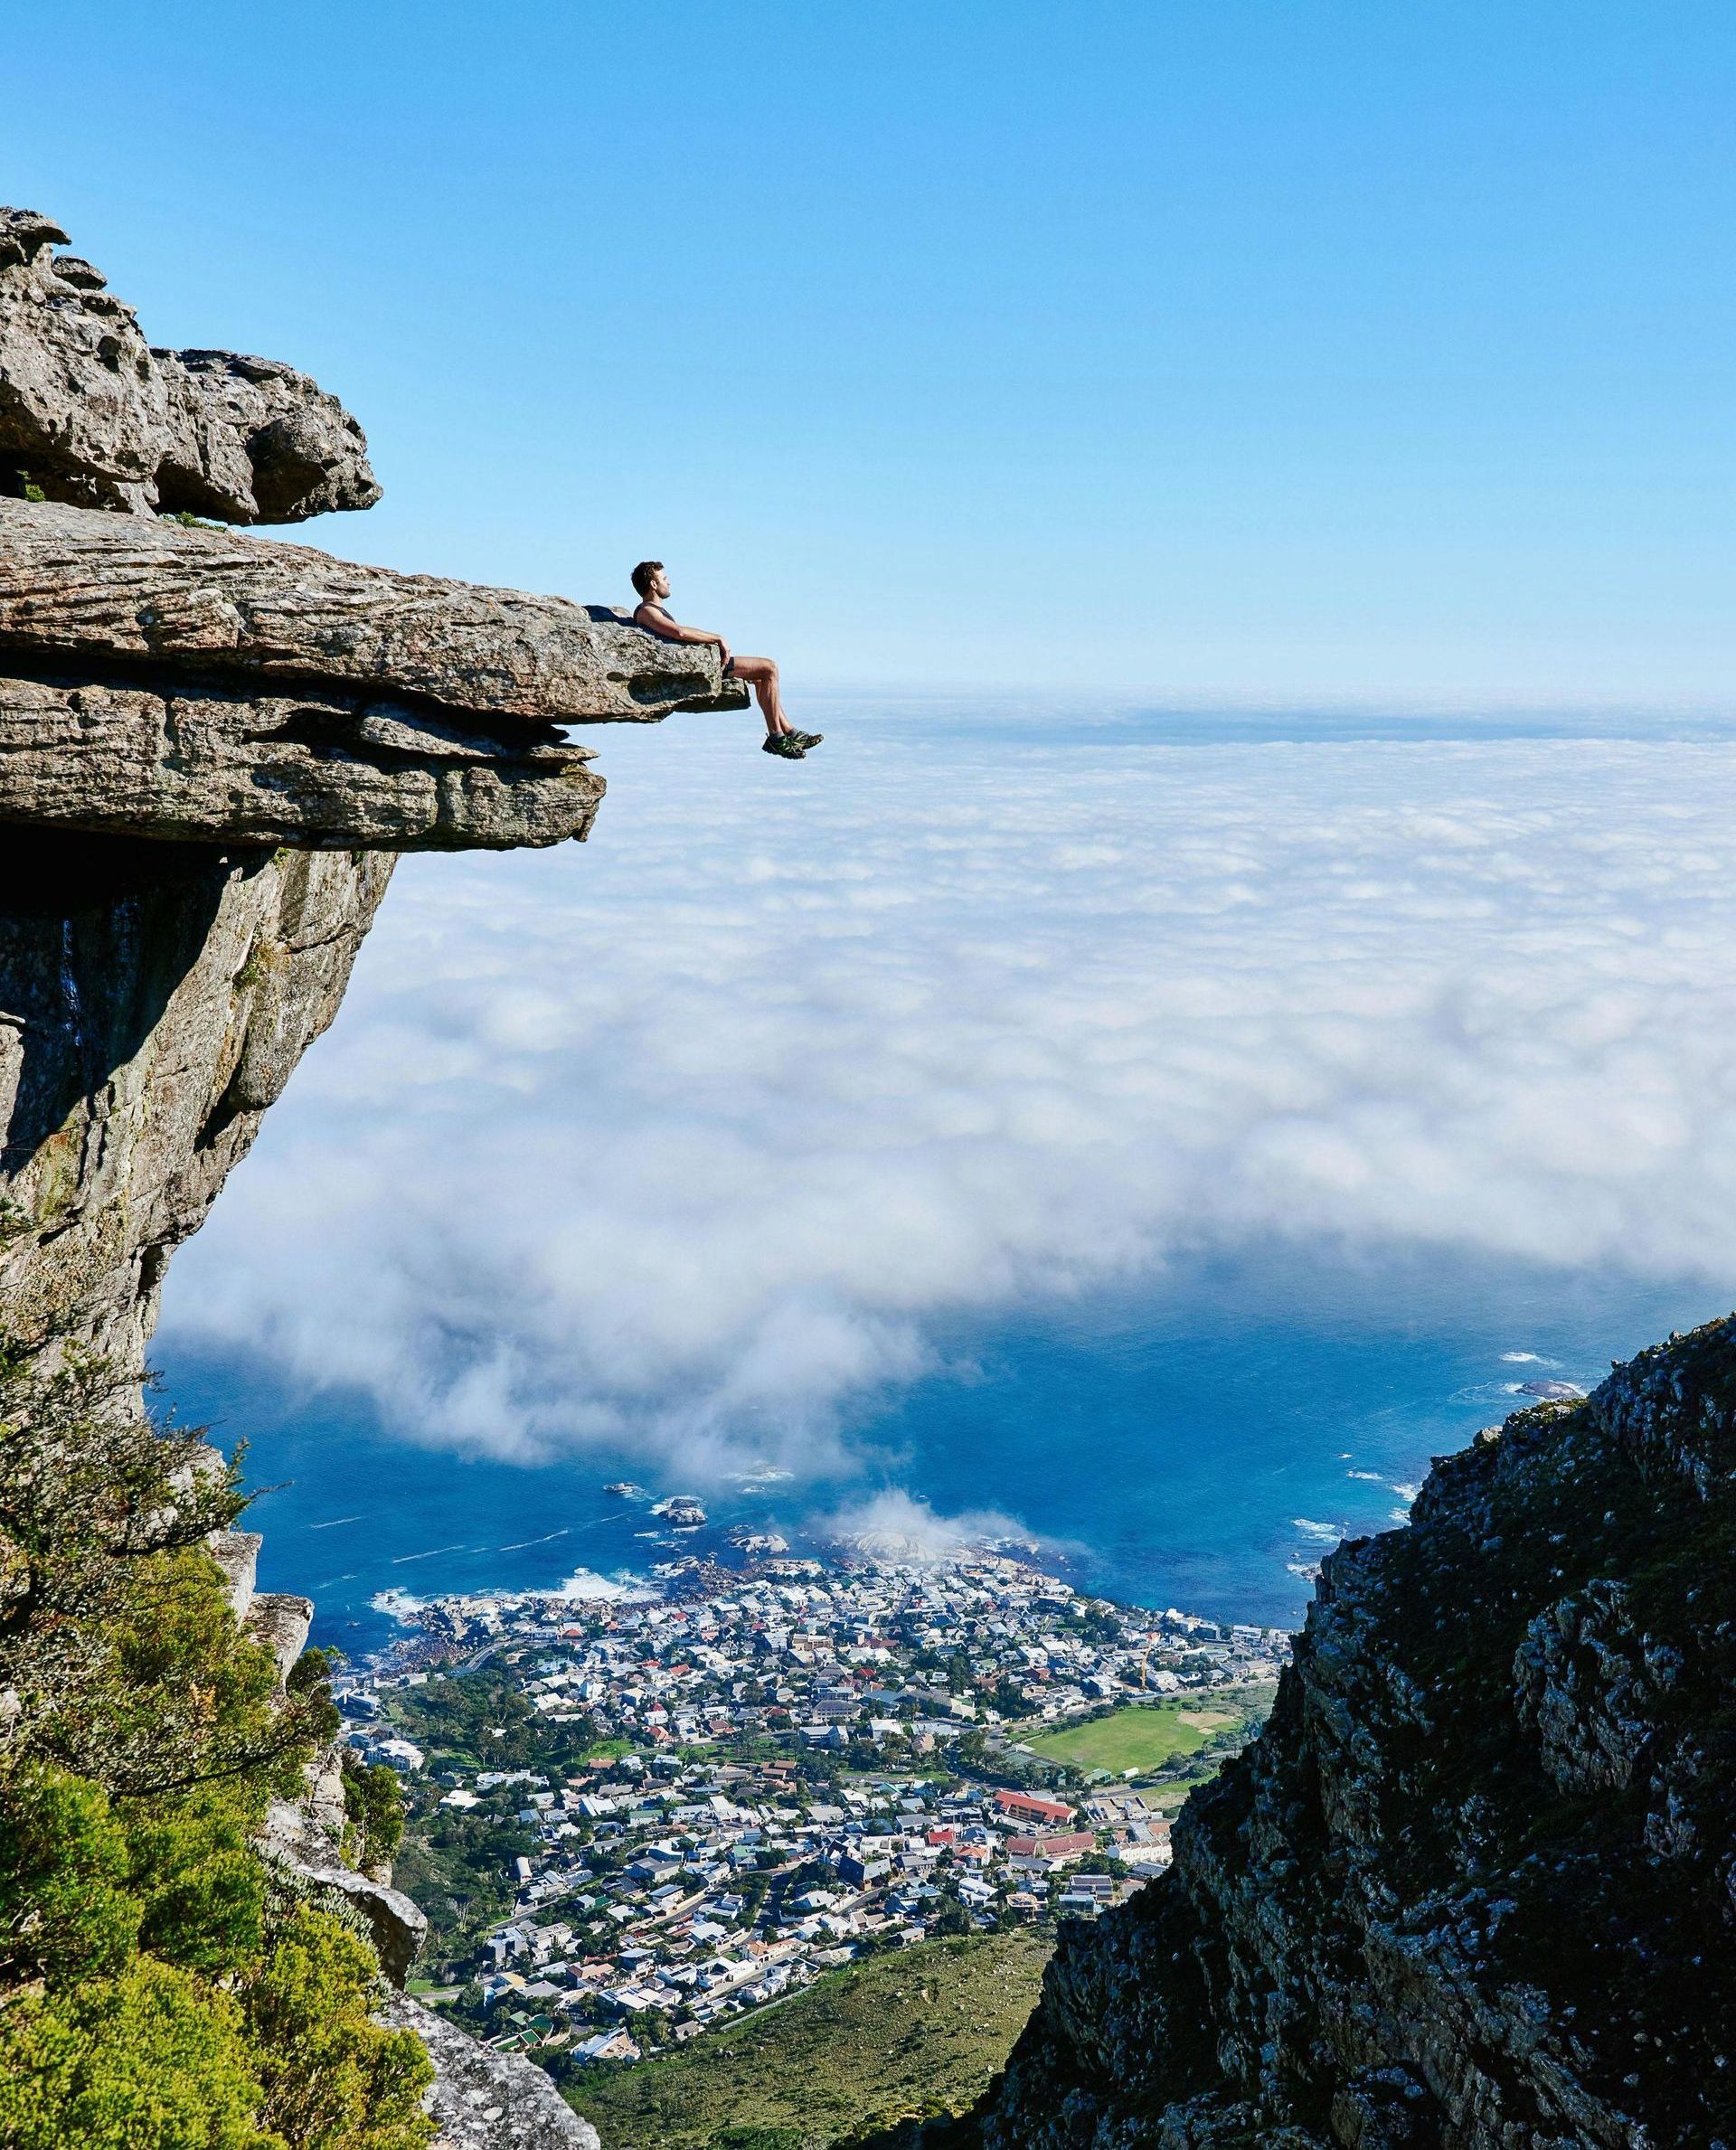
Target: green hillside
918, 2033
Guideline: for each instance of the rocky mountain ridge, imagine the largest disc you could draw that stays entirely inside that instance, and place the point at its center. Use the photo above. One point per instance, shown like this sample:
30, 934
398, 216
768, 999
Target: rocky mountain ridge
1475, 1884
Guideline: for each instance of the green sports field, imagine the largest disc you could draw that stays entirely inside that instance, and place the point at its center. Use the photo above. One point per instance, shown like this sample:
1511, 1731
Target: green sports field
1144, 1735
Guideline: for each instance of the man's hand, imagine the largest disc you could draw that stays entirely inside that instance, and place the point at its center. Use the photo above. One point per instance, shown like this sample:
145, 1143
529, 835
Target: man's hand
723, 653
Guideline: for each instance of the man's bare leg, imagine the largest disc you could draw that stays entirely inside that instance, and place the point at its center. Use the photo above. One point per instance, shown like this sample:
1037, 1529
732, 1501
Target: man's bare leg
761, 675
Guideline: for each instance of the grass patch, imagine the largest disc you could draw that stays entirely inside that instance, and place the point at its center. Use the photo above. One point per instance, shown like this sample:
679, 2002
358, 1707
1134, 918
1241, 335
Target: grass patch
1147, 1736
888, 2038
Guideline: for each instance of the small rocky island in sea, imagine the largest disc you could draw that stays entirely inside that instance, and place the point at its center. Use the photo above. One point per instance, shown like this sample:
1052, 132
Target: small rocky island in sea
681, 1512
756, 1544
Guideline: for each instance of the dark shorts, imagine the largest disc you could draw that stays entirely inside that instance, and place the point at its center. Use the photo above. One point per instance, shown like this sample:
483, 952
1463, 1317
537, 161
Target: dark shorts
729, 669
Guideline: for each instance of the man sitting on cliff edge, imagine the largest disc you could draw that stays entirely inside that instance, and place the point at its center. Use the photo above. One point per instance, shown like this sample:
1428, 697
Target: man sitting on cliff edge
760, 673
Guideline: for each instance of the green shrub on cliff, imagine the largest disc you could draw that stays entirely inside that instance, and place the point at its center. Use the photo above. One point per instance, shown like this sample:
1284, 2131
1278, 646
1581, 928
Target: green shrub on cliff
149, 2057
160, 1987
374, 1811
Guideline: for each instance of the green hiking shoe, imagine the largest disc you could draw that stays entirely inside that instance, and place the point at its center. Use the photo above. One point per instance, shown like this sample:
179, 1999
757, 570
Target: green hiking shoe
806, 739
786, 745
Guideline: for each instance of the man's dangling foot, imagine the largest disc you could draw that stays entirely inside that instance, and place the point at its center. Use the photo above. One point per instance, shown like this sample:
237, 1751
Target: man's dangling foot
786, 745
806, 739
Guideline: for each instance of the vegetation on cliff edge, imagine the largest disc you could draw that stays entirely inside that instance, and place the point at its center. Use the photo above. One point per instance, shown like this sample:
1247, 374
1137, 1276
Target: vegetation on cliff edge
160, 1987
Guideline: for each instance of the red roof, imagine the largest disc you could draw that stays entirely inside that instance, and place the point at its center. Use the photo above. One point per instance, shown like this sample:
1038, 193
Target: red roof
1028, 1804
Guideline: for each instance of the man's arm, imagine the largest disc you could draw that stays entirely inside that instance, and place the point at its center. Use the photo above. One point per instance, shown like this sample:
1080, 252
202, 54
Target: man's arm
657, 622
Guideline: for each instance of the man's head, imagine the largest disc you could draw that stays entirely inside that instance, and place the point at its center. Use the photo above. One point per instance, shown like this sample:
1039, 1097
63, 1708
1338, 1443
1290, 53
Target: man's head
649, 579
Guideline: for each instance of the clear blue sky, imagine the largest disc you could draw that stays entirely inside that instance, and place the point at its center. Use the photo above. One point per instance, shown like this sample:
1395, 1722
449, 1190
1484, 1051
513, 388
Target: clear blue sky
1267, 349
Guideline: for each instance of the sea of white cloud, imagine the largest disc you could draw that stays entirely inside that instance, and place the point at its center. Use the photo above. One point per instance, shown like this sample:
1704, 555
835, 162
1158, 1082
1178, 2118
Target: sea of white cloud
698, 1136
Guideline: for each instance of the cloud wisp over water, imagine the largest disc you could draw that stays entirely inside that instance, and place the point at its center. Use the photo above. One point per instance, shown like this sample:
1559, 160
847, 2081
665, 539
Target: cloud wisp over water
896, 1525
695, 1137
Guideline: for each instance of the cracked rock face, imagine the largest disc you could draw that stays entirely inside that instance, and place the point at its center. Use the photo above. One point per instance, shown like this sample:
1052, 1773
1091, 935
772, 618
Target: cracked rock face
153, 1000
1588, 1681
94, 415
1474, 1887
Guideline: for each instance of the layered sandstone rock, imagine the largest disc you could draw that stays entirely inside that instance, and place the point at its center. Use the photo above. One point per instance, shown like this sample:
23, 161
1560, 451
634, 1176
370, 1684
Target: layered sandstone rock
1475, 1885
186, 762
199, 686
154, 599
92, 414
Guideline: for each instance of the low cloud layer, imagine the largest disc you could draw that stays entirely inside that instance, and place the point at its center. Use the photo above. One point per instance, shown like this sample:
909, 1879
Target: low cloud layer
896, 1525
692, 1137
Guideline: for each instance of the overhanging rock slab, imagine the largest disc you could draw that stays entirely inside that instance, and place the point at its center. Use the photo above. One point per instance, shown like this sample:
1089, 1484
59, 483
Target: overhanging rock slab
125, 592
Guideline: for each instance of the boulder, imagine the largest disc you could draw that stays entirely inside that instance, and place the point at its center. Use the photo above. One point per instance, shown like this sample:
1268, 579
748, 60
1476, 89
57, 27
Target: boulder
92, 414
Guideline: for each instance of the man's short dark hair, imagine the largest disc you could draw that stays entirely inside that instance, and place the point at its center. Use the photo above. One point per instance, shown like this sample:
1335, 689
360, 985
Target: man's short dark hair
643, 573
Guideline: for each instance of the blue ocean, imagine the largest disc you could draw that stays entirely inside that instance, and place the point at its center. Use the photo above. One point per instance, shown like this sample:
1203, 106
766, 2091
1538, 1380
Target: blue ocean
1183, 1450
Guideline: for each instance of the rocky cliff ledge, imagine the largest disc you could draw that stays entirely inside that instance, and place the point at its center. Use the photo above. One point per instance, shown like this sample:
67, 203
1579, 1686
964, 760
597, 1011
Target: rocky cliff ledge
212, 750
1475, 1885
197, 686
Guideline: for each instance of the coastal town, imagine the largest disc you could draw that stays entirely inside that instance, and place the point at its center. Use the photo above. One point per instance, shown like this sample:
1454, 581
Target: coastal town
699, 1797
